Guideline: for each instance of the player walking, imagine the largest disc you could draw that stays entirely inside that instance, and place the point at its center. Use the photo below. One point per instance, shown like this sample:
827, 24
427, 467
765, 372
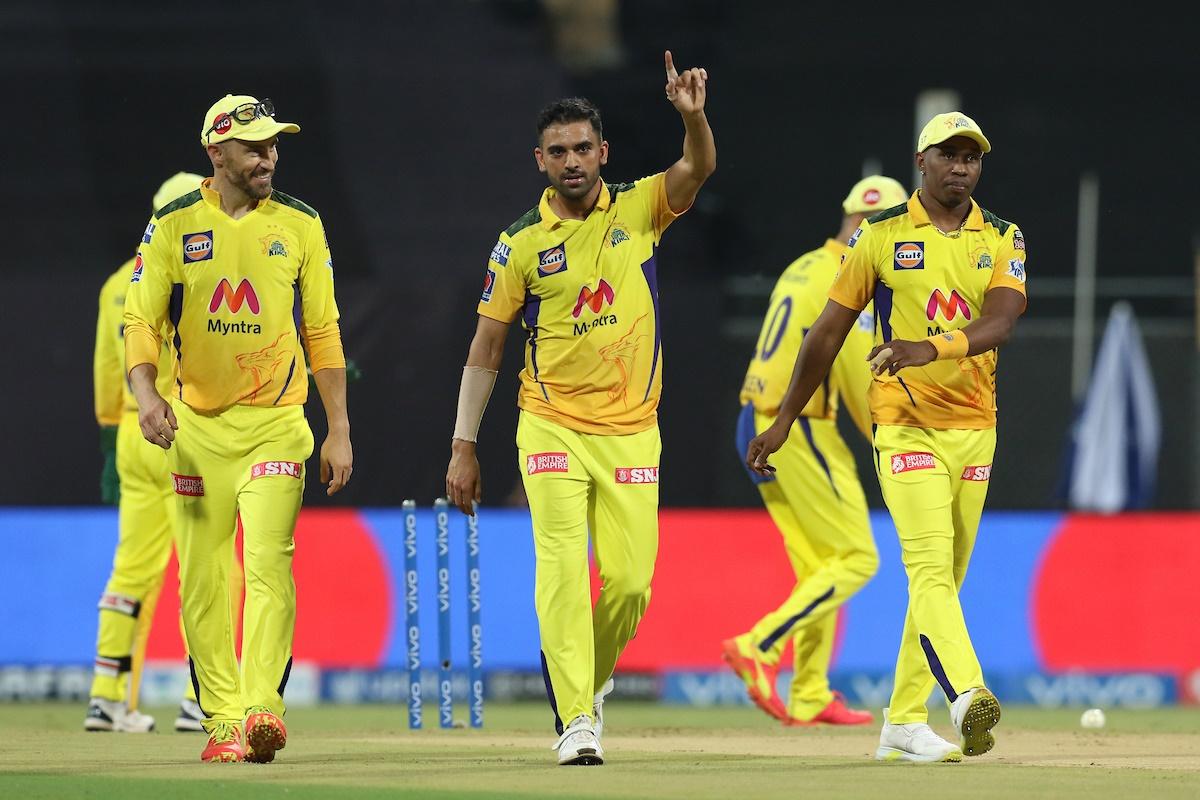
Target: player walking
816, 500
948, 282
580, 271
244, 274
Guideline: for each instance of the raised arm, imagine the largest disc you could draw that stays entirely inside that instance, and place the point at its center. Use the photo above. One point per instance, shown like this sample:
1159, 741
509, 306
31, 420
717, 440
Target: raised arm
820, 348
463, 486
688, 92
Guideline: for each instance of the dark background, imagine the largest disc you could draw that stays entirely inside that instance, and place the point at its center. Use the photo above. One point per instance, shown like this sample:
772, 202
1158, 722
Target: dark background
416, 149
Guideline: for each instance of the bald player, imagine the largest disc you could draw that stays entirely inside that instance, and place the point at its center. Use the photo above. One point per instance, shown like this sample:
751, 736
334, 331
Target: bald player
815, 499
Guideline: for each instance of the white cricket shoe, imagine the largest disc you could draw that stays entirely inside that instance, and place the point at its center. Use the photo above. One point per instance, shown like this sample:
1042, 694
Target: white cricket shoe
598, 708
974, 713
191, 717
914, 741
112, 715
578, 744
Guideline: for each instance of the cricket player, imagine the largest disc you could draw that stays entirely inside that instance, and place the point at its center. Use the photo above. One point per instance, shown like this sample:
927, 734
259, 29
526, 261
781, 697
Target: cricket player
135, 479
243, 275
579, 269
948, 282
815, 500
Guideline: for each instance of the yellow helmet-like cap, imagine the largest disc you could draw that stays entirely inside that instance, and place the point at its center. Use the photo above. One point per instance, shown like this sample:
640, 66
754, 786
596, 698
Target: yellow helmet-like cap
947, 126
240, 116
872, 194
176, 187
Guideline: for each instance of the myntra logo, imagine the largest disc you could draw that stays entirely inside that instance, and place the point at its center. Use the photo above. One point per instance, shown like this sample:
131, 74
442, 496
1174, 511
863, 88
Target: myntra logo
948, 306
234, 298
594, 300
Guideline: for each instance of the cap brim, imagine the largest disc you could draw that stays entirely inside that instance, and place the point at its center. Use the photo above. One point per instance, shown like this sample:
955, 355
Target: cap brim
975, 136
259, 132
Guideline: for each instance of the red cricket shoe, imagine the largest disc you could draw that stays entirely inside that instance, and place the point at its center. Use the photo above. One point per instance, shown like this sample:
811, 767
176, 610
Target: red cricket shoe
224, 744
836, 713
265, 733
758, 675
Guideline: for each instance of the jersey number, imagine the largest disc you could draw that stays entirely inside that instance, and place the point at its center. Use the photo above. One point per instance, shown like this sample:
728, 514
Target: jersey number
776, 325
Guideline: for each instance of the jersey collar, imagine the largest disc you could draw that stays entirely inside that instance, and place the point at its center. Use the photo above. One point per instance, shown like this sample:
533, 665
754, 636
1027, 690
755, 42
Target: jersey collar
834, 247
550, 219
921, 217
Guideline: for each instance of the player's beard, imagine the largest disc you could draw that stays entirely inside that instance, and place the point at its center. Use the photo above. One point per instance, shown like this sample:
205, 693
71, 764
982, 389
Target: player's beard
252, 189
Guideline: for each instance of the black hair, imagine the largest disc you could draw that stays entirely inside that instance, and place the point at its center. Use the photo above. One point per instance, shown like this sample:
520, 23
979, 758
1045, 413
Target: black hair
570, 109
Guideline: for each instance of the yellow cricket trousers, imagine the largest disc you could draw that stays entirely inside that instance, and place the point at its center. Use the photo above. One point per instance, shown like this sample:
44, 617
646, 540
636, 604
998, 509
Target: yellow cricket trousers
606, 485
244, 461
934, 483
817, 502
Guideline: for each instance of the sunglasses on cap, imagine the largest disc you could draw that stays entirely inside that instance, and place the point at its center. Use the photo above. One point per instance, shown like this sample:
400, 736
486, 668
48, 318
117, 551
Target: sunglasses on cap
243, 115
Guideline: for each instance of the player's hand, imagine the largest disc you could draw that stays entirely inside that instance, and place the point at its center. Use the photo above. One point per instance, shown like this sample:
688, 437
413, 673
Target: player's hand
763, 445
337, 462
157, 420
463, 486
893, 356
686, 91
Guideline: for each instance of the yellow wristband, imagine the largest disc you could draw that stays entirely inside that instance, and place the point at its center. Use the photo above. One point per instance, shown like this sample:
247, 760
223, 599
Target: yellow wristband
952, 344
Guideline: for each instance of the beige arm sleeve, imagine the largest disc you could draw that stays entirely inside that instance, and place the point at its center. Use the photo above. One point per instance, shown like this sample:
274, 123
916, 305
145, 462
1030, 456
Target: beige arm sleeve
473, 395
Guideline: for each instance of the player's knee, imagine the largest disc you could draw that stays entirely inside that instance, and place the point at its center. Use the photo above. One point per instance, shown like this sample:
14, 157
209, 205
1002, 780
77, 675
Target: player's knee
628, 587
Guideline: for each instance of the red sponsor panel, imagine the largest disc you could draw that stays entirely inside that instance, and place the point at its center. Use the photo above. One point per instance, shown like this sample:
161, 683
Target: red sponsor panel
1119, 593
636, 475
536, 463
340, 621
190, 485
694, 605
289, 469
983, 473
907, 462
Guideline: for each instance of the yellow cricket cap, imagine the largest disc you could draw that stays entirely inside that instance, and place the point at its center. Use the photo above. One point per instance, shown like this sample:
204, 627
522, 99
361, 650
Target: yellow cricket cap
240, 116
176, 187
874, 193
947, 126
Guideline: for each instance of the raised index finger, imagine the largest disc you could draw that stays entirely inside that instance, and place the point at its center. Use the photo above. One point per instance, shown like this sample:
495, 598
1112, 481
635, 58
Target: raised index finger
671, 73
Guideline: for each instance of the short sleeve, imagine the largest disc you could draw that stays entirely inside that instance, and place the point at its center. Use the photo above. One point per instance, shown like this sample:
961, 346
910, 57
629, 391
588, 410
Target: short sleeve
858, 274
654, 190
1009, 268
503, 283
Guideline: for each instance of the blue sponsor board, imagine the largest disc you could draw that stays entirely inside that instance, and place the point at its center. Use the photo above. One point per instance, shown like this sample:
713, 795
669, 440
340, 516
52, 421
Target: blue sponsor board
872, 690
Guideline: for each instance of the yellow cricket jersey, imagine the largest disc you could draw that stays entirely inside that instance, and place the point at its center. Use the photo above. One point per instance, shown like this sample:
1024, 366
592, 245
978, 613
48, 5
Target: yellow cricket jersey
239, 295
797, 300
587, 293
923, 283
108, 369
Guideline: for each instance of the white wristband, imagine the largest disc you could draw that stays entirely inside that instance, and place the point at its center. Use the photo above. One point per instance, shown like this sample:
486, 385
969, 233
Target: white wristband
473, 394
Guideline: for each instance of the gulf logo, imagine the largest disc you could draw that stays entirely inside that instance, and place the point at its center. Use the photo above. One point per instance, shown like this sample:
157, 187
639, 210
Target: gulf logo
910, 255
197, 247
552, 261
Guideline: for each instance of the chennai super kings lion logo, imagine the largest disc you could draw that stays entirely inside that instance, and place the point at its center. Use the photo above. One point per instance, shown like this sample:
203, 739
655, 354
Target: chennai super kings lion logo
621, 354
261, 364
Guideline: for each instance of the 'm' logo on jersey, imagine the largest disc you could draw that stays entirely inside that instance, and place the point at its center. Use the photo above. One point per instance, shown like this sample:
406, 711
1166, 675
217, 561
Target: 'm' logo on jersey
289, 469
637, 475
594, 300
225, 293
910, 255
197, 247
948, 307
545, 462
489, 283
906, 462
552, 261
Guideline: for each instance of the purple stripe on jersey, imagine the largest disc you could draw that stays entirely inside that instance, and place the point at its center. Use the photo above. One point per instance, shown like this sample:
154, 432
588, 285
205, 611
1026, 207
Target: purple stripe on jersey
790, 622
288, 382
533, 307
883, 310
650, 270
297, 308
935, 666
175, 313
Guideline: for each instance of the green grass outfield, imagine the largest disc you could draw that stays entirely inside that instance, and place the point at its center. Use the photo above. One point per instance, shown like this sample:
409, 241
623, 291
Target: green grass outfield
652, 752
